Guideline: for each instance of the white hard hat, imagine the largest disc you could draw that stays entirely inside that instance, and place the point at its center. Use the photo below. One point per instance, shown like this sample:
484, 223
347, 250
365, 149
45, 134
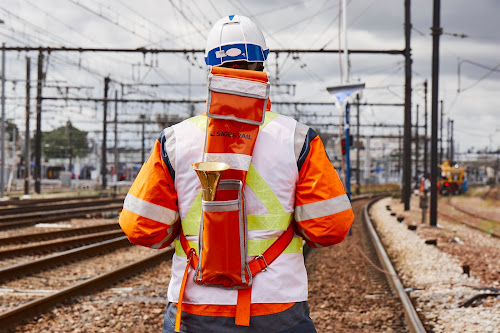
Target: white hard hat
235, 38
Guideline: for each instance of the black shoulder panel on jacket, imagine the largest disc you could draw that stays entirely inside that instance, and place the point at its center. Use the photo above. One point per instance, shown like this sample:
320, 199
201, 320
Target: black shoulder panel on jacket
311, 134
164, 155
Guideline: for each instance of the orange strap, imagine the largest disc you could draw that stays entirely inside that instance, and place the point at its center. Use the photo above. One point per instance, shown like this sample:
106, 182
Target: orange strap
181, 293
188, 249
260, 263
257, 265
243, 307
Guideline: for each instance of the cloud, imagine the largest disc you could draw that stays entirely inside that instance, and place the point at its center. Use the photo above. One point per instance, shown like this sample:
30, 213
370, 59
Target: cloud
375, 24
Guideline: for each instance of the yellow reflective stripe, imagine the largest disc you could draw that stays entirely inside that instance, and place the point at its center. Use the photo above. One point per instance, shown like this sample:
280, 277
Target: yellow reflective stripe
269, 222
263, 192
200, 121
191, 223
180, 251
191, 227
269, 116
255, 247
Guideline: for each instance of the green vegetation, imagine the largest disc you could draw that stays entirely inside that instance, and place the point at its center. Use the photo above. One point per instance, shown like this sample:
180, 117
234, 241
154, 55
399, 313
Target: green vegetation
63, 142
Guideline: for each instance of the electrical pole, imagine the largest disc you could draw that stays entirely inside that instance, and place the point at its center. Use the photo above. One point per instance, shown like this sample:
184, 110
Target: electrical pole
448, 140
347, 152
358, 185
116, 144
426, 162
400, 155
407, 117
70, 147
441, 134
436, 32
27, 158
416, 150
105, 112
2, 171
452, 148
38, 135
143, 149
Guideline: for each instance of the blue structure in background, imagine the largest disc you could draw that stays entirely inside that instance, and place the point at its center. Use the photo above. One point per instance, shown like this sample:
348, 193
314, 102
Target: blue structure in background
341, 94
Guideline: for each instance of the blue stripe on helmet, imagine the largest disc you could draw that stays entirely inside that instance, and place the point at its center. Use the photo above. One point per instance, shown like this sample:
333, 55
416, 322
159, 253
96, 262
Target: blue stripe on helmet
255, 53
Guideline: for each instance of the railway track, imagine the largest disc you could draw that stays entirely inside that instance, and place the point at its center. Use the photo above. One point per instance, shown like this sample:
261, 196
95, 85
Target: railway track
362, 296
50, 235
474, 221
83, 243
57, 245
45, 201
460, 209
26, 210
16, 217
36, 306
412, 319
47, 262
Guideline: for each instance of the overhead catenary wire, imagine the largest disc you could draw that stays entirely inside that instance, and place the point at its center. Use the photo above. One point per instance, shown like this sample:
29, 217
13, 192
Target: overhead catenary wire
188, 20
491, 70
168, 75
116, 23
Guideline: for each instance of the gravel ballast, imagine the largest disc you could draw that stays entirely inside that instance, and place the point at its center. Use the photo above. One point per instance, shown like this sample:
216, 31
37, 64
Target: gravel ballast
434, 278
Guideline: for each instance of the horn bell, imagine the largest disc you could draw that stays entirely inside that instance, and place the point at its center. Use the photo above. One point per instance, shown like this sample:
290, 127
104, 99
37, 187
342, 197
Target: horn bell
209, 174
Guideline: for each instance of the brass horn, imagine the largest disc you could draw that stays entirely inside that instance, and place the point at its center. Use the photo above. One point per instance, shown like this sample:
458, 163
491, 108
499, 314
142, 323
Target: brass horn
209, 174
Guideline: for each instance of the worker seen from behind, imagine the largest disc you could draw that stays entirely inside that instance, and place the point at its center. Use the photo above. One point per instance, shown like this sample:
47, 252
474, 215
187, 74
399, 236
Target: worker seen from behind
267, 187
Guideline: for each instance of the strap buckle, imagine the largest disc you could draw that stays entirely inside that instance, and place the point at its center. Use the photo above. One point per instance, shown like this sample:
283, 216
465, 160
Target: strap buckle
265, 262
191, 253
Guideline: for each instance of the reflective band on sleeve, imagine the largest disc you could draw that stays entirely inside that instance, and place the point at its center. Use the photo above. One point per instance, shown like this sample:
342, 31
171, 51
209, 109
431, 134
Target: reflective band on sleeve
240, 86
236, 161
322, 208
150, 210
166, 239
255, 247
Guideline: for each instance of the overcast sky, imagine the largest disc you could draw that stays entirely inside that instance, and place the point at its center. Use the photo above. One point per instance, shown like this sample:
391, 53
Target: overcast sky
470, 99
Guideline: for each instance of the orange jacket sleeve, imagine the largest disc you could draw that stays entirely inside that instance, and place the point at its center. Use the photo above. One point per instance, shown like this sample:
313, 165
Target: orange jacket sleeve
323, 211
150, 214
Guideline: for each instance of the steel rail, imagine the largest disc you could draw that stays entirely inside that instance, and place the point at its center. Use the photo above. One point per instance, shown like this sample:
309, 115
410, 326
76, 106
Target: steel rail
55, 245
412, 319
470, 213
25, 202
24, 211
57, 216
49, 235
16, 271
454, 220
33, 308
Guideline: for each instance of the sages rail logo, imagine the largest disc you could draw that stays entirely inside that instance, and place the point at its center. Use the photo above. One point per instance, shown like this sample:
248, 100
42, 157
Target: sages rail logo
231, 135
